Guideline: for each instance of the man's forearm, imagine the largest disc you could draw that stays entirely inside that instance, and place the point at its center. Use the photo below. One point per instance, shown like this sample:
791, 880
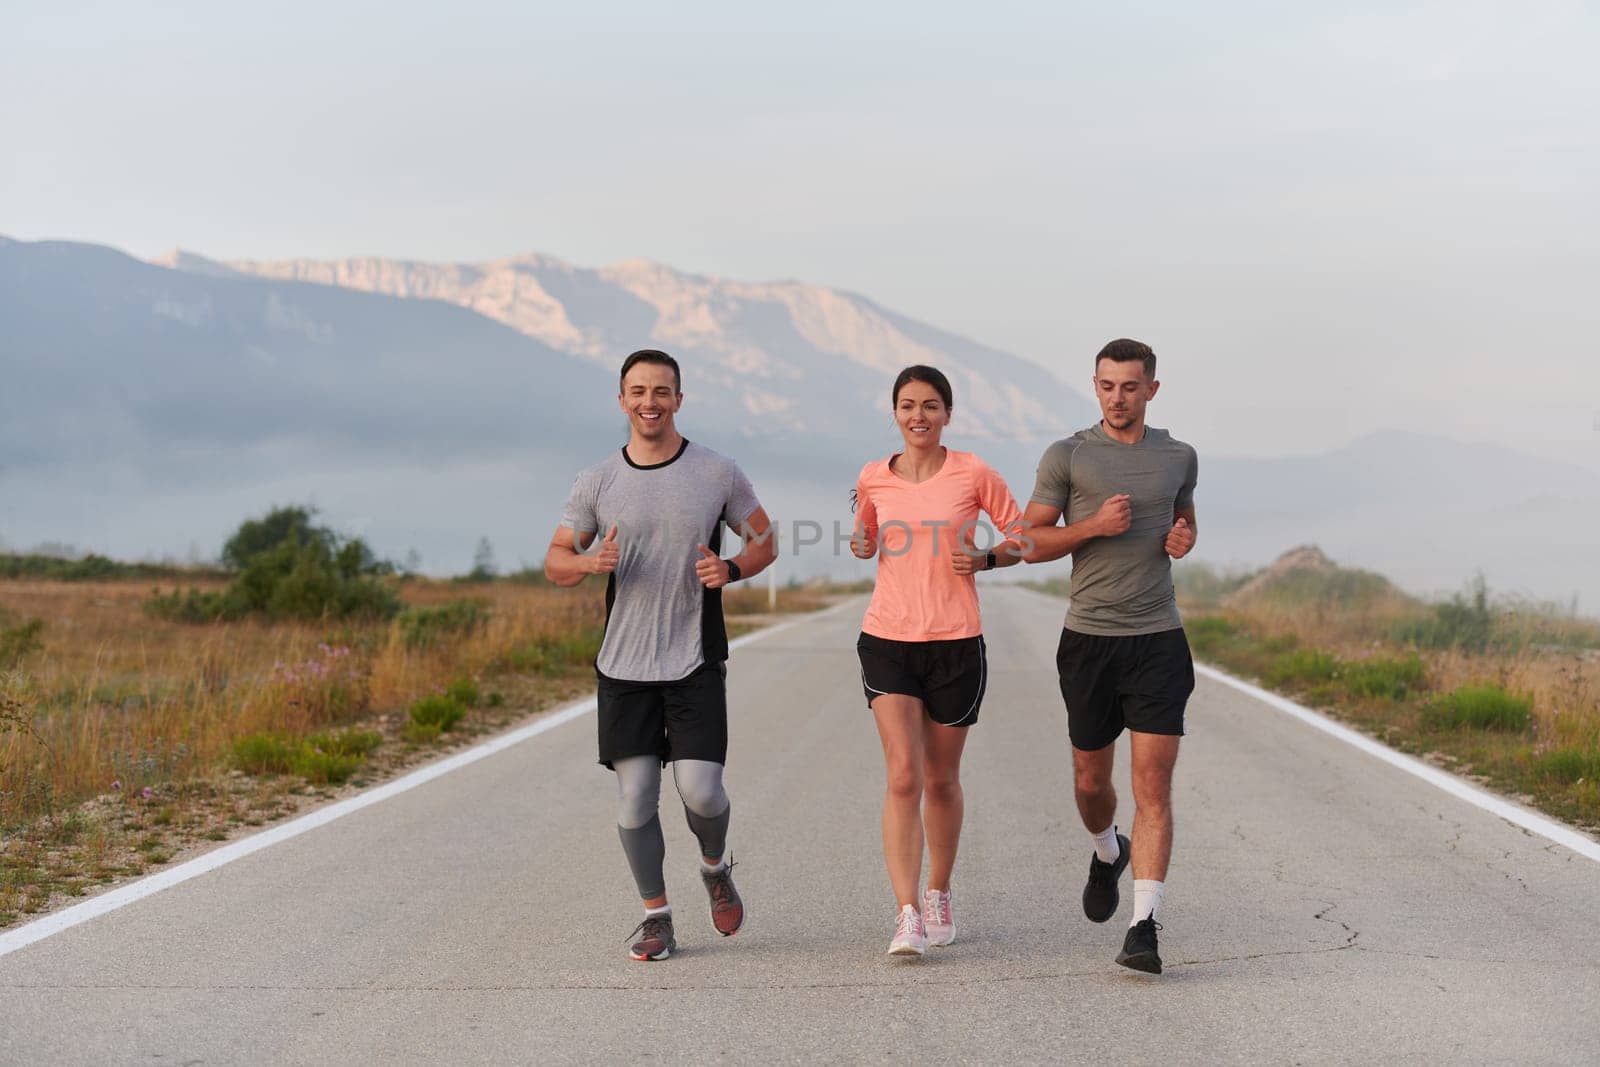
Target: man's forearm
1053, 542
564, 567
755, 557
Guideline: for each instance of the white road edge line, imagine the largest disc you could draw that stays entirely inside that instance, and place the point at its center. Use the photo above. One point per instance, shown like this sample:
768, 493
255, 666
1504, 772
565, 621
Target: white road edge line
1531, 821
1456, 787
122, 896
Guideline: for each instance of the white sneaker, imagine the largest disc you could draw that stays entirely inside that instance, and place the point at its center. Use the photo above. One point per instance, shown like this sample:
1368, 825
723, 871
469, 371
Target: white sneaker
909, 937
938, 920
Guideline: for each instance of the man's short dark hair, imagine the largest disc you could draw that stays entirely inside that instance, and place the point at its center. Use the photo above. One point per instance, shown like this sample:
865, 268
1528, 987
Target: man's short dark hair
651, 355
1125, 350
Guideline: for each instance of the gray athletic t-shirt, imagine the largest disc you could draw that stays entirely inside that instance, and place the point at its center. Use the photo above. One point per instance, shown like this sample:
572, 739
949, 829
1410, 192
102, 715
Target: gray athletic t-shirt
661, 623
1120, 585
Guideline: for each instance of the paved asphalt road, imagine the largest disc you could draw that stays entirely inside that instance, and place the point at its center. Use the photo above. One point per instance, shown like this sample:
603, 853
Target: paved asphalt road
1322, 907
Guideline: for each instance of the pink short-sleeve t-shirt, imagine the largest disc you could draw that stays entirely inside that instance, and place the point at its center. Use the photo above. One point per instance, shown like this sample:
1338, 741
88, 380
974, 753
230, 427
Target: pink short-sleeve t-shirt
917, 595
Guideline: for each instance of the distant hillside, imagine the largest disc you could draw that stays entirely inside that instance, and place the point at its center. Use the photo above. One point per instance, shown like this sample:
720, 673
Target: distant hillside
144, 409
779, 356
1304, 577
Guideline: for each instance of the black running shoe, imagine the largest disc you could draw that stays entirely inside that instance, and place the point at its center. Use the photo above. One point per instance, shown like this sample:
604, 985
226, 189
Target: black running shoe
653, 938
727, 909
1139, 948
1100, 896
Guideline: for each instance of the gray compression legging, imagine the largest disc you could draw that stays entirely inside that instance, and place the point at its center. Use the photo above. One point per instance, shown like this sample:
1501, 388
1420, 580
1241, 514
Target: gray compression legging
705, 803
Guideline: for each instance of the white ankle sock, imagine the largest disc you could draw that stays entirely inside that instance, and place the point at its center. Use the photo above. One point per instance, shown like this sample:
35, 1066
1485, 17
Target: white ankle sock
713, 868
665, 909
1146, 898
1105, 844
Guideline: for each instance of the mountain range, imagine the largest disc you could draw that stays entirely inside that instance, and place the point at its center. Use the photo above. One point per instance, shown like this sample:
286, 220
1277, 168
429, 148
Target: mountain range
148, 407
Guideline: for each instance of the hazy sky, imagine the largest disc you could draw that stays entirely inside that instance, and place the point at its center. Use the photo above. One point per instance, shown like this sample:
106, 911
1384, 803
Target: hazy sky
1326, 223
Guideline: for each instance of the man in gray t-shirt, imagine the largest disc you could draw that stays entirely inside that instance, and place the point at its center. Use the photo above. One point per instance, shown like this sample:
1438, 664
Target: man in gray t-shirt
662, 502
1126, 491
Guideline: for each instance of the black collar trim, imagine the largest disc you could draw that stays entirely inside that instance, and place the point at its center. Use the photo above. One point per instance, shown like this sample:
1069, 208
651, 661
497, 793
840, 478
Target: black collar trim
654, 466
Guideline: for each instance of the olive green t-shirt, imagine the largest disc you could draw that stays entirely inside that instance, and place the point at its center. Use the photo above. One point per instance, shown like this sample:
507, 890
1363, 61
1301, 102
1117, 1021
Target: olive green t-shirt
1121, 585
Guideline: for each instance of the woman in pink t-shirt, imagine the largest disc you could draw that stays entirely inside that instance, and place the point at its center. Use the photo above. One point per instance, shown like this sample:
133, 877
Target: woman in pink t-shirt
923, 666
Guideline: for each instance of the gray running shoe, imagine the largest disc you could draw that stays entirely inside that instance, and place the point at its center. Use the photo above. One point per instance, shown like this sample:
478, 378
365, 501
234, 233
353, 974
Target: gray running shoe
727, 907
653, 938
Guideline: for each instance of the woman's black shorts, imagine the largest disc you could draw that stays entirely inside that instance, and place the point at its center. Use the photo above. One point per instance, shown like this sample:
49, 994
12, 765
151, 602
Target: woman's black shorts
947, 676
1140, 682
686, 719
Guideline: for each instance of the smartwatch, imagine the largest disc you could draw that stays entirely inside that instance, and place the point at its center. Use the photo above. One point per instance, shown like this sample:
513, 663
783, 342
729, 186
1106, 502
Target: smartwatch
733, 570
989, 562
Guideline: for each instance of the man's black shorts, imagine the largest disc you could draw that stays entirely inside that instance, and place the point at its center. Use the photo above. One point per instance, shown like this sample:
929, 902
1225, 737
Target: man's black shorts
1139, 683
949, 677
686, 719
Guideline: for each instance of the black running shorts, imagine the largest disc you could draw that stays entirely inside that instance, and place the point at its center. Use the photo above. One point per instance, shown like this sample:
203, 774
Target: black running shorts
1140, 683
947, 676
686, 719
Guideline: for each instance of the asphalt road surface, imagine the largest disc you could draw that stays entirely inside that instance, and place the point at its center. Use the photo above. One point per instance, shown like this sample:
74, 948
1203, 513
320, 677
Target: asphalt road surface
1322, 907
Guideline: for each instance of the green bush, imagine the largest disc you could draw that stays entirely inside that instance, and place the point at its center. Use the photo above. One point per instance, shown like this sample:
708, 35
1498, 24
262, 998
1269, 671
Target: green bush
291, 581
323, 759
346, 742
422, 732
1206, 633
464, 691
18, 642
432, 627
1480, 707
288, 569
1389, 678
263, 754
1307, 666
566, 652
439, 710
1572, 763
279, 526
324, 768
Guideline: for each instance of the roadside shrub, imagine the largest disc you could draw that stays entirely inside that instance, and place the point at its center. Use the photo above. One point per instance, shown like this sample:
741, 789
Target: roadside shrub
18, 642
432, 627
346, 742
323, 759
1574, 763
263, 754
438, 710
1384, 677
569, 651
1480, 707
1207, 632
422, 732
1306, 666
464, 691
324, 768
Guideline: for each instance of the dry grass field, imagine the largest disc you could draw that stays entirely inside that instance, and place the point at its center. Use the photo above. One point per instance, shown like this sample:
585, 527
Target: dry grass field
1504, 691
126, 738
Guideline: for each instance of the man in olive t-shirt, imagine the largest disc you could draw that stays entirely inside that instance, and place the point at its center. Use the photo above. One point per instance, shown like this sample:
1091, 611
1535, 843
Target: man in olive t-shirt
1126, 491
